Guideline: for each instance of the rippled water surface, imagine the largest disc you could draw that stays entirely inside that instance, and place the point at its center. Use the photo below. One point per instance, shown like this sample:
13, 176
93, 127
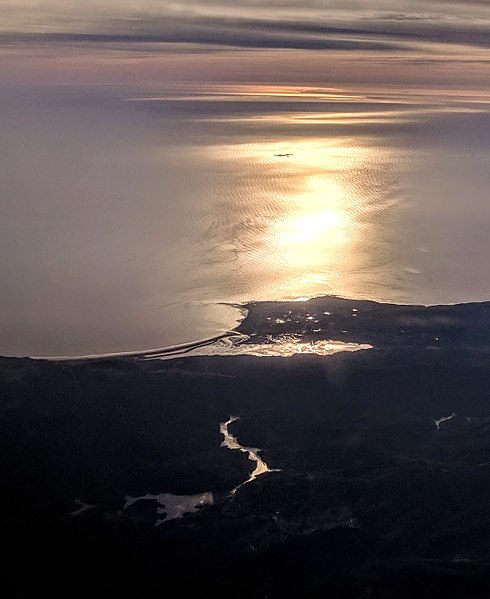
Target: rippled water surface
131, 223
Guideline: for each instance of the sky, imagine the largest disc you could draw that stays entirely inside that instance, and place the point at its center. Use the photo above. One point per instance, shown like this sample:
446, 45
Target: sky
150, 42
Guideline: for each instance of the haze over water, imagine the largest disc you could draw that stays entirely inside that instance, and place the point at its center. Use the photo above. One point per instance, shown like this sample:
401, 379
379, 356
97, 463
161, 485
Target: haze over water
133, 212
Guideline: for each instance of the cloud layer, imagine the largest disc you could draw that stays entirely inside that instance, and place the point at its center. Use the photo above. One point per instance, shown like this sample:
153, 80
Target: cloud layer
315, 24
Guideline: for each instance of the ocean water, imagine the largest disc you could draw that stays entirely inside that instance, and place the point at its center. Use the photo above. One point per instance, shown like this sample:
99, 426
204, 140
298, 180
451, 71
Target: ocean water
137, 221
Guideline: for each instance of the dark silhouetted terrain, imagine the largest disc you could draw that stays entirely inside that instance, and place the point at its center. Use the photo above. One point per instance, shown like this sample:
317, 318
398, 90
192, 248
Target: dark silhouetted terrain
383, 489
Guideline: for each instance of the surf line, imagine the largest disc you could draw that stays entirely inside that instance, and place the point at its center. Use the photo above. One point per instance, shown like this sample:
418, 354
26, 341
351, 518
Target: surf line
231, 442
229, 337
180, 350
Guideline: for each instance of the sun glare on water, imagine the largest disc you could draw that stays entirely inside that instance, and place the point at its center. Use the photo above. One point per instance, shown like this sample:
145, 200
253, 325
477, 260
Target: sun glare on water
315, 222
311, 233
308, 228
304, 218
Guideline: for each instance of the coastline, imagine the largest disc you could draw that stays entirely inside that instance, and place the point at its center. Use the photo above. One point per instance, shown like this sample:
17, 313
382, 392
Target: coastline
329, 319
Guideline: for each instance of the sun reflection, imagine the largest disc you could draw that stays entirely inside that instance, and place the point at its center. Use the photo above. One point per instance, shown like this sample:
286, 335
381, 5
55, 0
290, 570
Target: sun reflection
310, 227
304, 217
310, 232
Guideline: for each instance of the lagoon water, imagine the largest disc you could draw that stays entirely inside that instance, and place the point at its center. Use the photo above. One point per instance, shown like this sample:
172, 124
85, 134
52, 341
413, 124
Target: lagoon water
132, 221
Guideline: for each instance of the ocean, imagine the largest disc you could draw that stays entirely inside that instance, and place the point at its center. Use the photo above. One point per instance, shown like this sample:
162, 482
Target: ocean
131, 222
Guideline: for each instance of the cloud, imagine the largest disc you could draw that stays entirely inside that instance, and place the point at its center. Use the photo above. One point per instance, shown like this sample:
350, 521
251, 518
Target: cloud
223, 37
316, 25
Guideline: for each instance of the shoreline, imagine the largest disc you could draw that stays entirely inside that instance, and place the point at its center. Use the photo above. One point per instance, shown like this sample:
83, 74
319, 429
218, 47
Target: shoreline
329, 319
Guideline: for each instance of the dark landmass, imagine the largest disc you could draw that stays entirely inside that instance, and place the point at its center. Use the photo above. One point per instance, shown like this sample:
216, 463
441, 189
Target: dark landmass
386, 326
384, 457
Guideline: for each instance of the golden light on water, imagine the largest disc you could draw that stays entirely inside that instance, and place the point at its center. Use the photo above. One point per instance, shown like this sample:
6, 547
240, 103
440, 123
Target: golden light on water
308, 217
318, 225
312, 237
309, 228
